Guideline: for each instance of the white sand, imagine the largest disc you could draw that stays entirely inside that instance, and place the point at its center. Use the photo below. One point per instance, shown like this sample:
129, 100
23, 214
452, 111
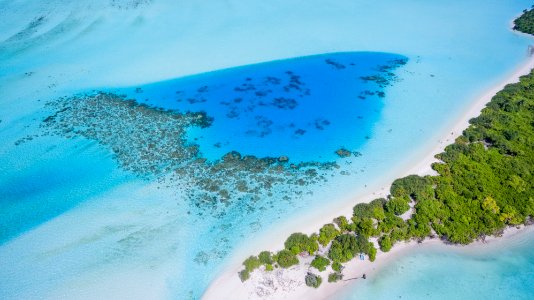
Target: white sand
288, 284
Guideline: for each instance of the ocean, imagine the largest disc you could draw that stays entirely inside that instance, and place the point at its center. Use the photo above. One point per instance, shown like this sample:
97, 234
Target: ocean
100, 203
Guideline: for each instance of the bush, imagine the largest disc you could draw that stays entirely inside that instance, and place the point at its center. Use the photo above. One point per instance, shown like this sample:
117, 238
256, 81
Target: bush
336, 266
286, 259
341, 223
299, 242
385, 243
525, 23
413, 186
251, 263
374, 209
372, 252
343, 248
313, 280
244, 275
265, 257
398, 205
364, 226
320, 263
269, 267
335, 277
327, 233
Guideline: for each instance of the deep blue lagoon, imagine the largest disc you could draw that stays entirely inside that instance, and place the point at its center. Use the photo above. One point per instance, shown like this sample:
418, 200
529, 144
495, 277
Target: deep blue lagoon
304, 108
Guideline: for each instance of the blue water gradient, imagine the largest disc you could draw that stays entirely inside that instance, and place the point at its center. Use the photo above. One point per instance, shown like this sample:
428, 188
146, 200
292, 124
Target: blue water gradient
503, 271
74, 228
304, 108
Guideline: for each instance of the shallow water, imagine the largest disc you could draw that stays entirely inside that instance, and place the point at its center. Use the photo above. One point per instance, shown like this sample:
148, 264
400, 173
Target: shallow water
75, 224
503, 271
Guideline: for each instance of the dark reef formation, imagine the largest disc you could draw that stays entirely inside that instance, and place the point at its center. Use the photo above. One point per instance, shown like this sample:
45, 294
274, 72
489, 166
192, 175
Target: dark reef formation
151, 143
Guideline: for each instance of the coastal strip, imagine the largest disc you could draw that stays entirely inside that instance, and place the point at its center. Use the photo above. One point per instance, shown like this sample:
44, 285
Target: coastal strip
229, 284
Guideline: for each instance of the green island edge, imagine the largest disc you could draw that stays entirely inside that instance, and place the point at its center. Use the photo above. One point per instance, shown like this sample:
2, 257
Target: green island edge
485, 183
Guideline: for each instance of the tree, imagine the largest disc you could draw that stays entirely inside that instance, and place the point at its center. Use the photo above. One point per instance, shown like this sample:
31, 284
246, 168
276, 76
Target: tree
286, 259
335, 277
413, 186
341, 223
299, 242
336, 266
313, 280
327, 233
320, 263
265, 258
251, 263
398, 205
385, 243
343, 248
244, 275
372, 252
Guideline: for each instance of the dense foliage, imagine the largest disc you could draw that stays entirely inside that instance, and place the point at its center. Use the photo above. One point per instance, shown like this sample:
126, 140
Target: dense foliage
299, 242
337, 266
327, 233
251, 263
320, 263
525, 23
335, 277
313, 280
265, 258
485, 182
286, 259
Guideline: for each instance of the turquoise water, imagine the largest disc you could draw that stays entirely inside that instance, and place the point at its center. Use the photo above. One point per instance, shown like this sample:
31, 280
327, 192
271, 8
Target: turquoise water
283, 108
75, 225
503, 271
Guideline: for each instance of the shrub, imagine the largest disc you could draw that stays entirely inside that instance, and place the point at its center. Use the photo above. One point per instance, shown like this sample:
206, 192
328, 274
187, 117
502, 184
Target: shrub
269, 267
244, 275
341, 223
365, 226
336, 266
398, 205
251, 263
374, 209
413, 186
335, 277
327, 233
313, 280
265, 257
299, 242
343, 248
286, 259
372, 252
320, 263
385, 243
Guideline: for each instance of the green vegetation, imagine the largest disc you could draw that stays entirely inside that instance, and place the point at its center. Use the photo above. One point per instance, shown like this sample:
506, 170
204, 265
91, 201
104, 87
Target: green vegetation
398, 205
286, 259
265, 258
251, 263
320, 263
337, 266
485, 182
525, 23
346, 246
244, 275
313, 280
299, 242
385, 243
327, 233
372, 252
335, 277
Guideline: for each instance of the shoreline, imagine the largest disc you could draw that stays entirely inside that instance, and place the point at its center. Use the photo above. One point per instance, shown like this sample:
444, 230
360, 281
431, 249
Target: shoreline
227, 281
